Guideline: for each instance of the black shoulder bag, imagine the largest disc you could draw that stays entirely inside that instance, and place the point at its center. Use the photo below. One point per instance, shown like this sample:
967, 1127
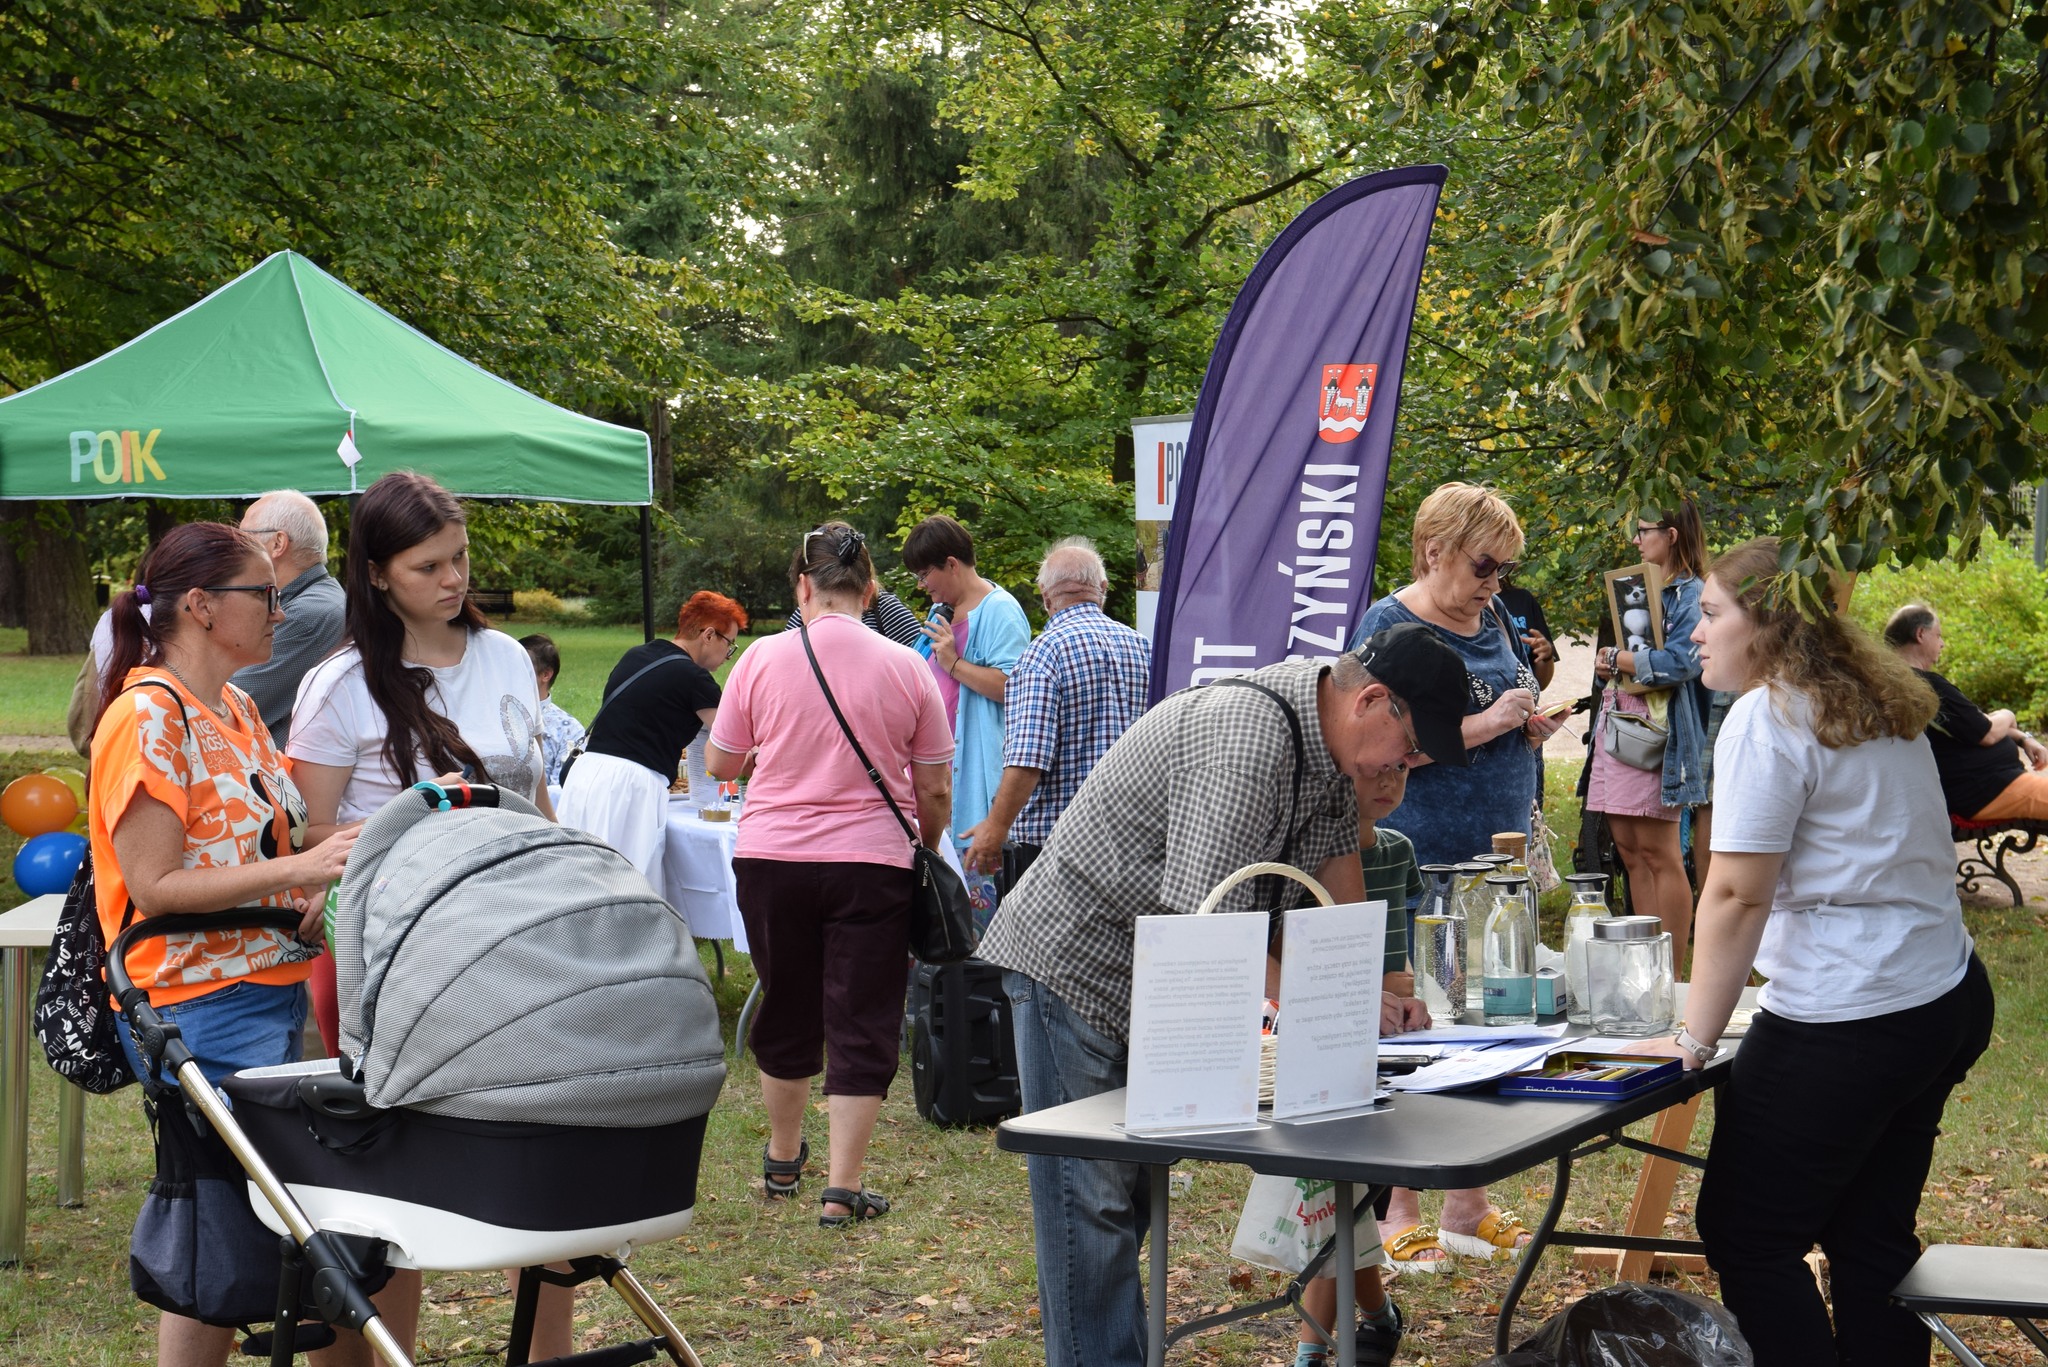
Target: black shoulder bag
590, 732
941, 916
74, 1018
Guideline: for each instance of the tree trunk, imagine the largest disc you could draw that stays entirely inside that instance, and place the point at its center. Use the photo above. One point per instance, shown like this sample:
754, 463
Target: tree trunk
662, 437
57, 581
11, 587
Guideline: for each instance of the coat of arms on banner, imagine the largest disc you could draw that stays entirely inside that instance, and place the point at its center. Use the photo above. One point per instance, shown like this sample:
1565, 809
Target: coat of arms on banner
1345, 400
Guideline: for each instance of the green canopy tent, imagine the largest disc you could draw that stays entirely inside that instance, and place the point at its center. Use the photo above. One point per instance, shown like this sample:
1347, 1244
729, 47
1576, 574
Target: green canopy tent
285, 378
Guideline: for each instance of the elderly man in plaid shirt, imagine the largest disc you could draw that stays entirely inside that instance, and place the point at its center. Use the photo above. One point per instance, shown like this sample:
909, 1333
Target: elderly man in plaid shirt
1208, 781
1073, 692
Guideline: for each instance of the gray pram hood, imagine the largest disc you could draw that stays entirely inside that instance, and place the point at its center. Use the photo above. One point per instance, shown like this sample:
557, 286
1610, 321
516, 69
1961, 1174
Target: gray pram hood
493, 965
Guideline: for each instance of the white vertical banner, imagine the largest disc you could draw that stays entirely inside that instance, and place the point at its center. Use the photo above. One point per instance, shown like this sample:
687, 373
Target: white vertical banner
1158, 447
1197, 988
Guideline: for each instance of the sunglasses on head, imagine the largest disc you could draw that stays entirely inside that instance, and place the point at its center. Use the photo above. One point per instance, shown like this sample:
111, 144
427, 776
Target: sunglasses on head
1485, 567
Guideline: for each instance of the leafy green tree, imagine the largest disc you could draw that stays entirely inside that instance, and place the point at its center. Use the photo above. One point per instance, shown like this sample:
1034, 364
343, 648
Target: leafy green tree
1805, 253
463, 164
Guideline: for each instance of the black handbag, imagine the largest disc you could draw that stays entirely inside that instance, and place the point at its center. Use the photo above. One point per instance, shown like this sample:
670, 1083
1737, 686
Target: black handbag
941, 916
74, 1016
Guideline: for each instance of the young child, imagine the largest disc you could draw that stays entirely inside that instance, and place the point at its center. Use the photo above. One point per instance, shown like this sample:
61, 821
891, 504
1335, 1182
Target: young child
1391, 875
560, 733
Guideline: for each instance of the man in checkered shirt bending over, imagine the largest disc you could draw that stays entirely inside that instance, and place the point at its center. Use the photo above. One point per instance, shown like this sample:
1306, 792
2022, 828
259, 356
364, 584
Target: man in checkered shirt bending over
1208, 781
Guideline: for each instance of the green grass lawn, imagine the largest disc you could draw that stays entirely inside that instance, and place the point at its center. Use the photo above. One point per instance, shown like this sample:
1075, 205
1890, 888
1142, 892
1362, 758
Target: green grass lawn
947, 1278
34, 689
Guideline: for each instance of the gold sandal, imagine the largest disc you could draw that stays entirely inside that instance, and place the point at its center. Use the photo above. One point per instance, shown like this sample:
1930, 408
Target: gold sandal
1500, 1231
1409, 1251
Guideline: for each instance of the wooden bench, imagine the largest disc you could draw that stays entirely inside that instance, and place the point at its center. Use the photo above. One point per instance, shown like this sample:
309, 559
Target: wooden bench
1959, 1279
1994, 840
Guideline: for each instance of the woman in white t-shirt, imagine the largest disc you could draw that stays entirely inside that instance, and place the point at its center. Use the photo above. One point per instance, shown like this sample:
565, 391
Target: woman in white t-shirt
1834, 877
420, 687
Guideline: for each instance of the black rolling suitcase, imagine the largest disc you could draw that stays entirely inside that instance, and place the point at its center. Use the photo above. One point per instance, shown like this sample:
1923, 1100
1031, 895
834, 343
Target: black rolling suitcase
963, 1056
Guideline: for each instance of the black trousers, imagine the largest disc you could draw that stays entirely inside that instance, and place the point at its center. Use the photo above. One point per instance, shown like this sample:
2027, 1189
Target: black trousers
1823, 1135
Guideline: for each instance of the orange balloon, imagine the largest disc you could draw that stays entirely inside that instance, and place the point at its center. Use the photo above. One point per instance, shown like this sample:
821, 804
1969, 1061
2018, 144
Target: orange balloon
36, 804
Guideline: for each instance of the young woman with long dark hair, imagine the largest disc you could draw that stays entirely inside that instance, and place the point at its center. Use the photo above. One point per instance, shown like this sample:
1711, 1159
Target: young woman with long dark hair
421, 686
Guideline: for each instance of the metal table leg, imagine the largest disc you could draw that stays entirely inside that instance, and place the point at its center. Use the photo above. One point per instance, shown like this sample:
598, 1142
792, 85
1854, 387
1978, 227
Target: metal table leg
1155, 1311
70, 1145
745, 1022
1560, 1187
16, 995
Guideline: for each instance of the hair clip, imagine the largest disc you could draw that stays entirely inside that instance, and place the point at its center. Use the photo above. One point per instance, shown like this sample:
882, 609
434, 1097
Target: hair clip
142, 593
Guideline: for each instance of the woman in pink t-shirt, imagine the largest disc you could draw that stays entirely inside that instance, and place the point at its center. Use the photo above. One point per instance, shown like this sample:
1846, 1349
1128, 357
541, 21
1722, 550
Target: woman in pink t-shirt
820, 862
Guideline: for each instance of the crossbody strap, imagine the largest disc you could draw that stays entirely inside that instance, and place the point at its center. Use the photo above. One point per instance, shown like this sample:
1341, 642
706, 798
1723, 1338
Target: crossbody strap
590, 732
1300, 749
192, 758
874, 775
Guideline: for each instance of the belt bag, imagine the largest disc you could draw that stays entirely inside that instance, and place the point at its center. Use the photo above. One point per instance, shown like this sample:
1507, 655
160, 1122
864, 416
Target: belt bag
1634, 740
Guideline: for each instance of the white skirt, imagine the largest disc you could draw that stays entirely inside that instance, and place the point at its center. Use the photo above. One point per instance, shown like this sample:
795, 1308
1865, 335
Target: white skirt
621, 803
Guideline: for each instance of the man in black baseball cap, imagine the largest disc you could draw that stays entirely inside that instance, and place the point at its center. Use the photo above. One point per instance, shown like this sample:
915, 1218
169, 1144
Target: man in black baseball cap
1425, 684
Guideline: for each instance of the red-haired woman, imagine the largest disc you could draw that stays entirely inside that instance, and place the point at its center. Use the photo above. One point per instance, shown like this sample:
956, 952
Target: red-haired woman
659, 696
193, 809
421, 686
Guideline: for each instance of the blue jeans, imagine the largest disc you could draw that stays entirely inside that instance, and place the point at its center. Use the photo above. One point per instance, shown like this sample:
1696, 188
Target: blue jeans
246, 1025
1089, 1218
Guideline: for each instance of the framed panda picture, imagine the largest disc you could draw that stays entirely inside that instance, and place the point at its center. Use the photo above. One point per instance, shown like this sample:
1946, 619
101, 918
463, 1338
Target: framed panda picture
1635, 606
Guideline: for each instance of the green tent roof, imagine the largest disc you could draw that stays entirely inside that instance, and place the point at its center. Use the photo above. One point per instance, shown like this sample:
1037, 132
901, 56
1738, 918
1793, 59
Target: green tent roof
256, 386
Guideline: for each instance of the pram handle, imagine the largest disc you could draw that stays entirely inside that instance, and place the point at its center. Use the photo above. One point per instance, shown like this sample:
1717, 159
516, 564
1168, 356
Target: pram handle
152, 1036
459, 794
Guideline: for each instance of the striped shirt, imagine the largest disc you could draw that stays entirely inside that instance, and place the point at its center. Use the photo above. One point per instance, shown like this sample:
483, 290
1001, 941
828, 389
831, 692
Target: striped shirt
888, 617
1199, 787
1074, 690
1391, 875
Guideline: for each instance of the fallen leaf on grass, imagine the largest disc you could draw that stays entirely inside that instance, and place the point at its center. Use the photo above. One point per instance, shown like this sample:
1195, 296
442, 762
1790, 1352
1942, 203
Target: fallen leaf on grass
816, 1346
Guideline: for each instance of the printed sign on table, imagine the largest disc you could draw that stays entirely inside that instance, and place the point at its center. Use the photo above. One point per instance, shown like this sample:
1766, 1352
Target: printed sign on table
1197, 987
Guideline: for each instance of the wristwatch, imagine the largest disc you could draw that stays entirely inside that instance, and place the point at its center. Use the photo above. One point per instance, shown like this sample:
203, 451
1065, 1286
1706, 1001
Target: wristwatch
1705, 1053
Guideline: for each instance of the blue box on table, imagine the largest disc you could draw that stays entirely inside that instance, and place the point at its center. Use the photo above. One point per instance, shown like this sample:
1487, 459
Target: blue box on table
1591, 1077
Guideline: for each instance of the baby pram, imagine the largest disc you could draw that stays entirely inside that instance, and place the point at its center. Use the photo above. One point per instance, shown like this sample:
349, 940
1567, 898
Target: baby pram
531, 1052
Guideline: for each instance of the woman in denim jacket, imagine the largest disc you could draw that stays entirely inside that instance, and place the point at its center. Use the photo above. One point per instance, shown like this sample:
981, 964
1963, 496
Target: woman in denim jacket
1643, 808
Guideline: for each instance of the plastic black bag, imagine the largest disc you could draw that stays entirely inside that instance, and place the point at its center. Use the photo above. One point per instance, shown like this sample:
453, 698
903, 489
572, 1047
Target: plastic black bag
1634, 1325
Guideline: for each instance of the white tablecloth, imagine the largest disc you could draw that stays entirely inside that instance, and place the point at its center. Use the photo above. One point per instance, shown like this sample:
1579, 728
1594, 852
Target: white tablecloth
696, 873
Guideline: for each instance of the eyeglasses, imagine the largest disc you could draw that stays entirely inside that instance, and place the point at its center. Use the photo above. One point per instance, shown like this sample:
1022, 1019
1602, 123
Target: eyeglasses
271, 593
1414, 745
1486, 566
1653, 528
261, 531
732, 643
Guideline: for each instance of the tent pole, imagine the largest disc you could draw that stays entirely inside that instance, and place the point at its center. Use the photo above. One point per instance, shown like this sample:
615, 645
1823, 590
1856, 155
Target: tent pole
646, 572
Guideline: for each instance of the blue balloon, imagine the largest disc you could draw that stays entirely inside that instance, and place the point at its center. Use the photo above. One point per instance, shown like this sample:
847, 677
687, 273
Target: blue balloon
49, 862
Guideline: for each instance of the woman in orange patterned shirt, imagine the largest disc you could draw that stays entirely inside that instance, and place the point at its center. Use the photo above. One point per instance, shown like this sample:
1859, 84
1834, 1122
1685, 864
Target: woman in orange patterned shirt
193, 809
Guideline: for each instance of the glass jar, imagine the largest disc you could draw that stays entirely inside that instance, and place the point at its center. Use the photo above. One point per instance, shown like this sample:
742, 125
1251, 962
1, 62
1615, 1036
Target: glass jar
1508, 954
1472, 901
1589, 904
1439, 960
1628, 976
1439, 891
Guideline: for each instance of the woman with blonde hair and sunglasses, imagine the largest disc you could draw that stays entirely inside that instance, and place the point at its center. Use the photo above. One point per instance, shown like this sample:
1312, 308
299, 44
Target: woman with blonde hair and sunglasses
821, 865
1834, 877
1465, 542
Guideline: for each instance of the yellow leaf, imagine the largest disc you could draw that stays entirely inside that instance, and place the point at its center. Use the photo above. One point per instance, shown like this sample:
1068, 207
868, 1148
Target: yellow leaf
817, 1347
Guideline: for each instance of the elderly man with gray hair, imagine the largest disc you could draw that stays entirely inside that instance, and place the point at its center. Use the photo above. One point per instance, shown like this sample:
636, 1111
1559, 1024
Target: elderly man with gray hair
1072, 693
291, 530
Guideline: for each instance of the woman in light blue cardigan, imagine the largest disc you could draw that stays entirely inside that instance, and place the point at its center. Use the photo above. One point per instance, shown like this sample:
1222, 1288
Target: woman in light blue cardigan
1643, 809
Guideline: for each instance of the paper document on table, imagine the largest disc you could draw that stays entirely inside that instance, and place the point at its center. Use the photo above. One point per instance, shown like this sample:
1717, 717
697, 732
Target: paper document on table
1471, 1068
1475, 1034
1609, 1044
1197, 986
1326, 1057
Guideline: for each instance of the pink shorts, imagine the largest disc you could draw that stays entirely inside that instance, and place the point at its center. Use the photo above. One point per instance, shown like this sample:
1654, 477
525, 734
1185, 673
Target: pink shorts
1614, 787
